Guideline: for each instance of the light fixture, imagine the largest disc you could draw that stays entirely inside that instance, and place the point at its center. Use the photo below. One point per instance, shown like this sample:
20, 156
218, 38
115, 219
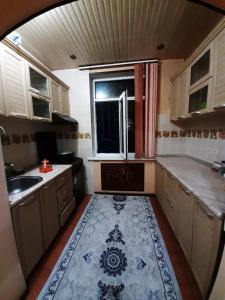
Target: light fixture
127, 63
73, 56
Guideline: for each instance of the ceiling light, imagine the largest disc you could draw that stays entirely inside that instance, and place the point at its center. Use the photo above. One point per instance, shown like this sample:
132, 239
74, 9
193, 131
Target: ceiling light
73, 56
161, 46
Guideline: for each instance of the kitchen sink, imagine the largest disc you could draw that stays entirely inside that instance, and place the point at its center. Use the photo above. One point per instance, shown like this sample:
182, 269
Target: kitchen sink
19, 184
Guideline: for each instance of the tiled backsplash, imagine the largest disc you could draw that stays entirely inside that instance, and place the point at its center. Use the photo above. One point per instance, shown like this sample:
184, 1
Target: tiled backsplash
16, 138
206, 144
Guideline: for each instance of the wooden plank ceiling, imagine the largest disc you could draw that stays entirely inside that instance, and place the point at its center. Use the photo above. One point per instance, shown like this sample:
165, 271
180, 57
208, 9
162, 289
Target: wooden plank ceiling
104, 31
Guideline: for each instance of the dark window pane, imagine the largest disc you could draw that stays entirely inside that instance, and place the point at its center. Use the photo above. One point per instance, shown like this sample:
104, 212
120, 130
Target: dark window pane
200, 68
198, 100
107, 114
40, 108
114, 88
131, 126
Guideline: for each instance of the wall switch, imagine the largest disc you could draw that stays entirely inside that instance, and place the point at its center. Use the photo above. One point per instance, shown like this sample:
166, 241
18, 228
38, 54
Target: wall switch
215, 151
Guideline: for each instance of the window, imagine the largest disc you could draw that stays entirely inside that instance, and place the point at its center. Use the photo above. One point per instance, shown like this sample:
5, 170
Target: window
113, 114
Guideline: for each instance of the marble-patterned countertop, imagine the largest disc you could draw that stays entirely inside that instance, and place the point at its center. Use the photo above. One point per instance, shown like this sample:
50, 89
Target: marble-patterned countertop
205, 184
57, 170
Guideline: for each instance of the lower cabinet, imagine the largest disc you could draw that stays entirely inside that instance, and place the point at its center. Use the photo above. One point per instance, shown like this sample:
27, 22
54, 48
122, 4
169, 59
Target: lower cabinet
160, 185
27, 221
205, 243
197, 229
38, 217
185, 214
49, 207
170, 205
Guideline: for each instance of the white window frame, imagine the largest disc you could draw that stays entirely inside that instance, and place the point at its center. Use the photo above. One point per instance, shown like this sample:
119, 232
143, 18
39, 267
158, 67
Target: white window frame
110, 156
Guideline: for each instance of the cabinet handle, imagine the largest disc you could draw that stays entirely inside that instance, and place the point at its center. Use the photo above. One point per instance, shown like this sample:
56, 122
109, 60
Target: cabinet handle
218, 107
185, 190
28, 201
195, 113
171, 176
46, 187
207, 213
18, 115
170, 203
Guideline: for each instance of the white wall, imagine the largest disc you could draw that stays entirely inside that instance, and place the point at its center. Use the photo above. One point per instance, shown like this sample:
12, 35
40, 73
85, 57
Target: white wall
78, 81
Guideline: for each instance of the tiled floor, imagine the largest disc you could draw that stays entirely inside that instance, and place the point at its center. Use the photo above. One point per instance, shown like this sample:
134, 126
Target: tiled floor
184, 275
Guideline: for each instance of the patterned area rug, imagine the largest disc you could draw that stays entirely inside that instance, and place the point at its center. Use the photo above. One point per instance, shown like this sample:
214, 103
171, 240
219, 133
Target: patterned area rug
116, 252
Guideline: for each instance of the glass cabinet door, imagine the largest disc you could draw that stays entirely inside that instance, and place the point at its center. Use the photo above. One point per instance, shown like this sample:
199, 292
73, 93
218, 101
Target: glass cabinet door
38, 82
41, 108
201, 68
198, 99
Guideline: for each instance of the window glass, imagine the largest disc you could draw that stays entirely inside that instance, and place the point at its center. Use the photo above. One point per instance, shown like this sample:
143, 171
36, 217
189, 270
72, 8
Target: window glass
107, 122
40, 108
198, 100
113, 88
200, 68
131, 126
38, 81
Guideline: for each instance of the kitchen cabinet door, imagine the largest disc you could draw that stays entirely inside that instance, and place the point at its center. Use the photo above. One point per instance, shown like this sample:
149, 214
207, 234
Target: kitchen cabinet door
219, 92
2, 99
49, 205
14, 83
206, 238
171, 188
65, 106
174, 98
185, 211
55, 94
27, 222
160, 185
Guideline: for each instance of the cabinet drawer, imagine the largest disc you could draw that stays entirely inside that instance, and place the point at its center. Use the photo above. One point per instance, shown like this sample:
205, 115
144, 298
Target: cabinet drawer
171, 186
65, 194
63, 178
67, 212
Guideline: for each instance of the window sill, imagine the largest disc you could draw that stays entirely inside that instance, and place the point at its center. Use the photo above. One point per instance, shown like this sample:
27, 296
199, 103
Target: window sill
117, 157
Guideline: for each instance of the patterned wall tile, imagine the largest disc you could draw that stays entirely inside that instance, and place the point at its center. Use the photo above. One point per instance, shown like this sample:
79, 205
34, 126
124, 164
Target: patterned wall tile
205, 133
174, 133
199, 134
87, 135
158, 134
221, 134
193, 133
182, 133
213, 134
25, 138
6, 140
16, 138
166, 133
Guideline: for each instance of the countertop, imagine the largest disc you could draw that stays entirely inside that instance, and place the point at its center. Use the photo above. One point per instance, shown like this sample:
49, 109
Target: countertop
205, 184
57, 170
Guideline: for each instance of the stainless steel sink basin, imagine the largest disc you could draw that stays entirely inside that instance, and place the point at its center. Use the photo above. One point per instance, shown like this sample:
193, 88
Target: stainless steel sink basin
19, 184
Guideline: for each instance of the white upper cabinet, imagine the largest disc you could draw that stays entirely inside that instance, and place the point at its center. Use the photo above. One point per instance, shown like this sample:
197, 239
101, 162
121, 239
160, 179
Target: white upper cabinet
56, 96
179, 97
2, 100
201, 73
14, 83
219, 92
65, 101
